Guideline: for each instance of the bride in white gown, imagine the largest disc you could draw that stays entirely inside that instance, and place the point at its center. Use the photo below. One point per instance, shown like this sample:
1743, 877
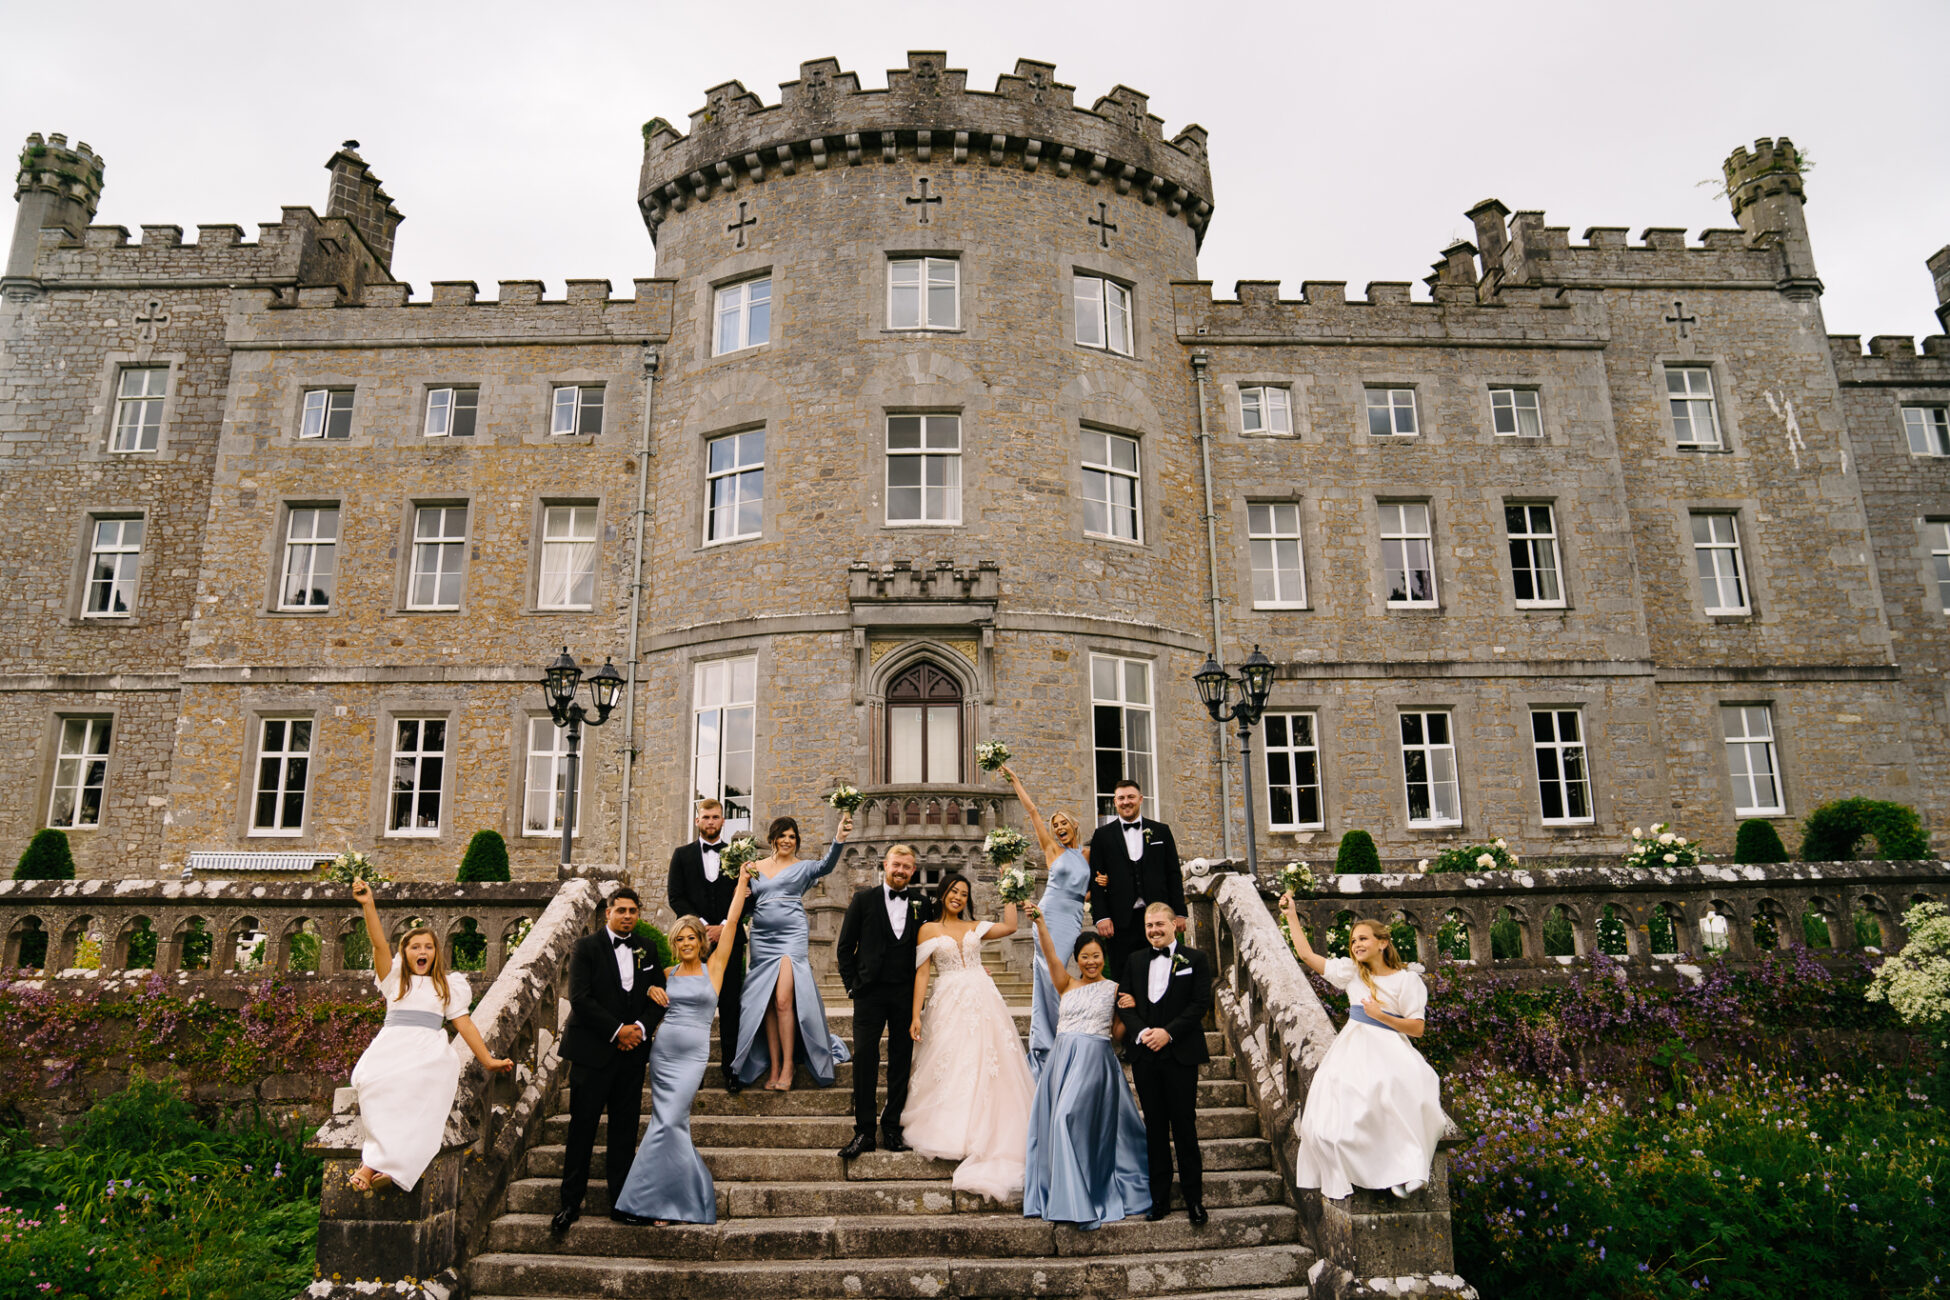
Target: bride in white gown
971, 1090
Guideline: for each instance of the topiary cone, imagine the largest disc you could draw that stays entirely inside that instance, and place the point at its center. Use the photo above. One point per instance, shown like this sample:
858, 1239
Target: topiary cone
1758, 841
486, 857
1357, 855
48, 857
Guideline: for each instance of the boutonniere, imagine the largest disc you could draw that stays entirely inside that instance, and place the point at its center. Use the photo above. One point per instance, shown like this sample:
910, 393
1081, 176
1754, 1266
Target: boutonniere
637, 957
1179, 963
1147, 834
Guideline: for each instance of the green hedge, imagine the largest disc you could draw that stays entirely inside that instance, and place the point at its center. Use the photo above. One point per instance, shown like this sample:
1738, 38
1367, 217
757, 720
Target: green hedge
1758, 841
47, 857
486, 857
657, 941
1357, 855
1834, 832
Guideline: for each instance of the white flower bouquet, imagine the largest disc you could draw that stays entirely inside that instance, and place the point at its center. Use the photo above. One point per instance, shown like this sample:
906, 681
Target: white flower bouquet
353, 865
1004, 845
1659, 847
1297, 878
847, 799
1015, 884
990, 755
742, 851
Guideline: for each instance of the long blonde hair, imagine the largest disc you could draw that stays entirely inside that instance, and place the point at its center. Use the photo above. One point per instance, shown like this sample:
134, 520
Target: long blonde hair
436, 969
696, 924
1391, 960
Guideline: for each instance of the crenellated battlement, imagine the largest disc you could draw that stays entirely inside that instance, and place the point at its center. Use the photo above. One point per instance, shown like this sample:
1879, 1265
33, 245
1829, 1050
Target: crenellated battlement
52, 166
927, 112
454, 312
1891, 360
300, 248
1518, 316
1529, 251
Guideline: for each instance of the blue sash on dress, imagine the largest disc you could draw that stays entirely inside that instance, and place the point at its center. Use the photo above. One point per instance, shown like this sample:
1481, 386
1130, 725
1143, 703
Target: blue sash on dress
1354, 1012
414, 1019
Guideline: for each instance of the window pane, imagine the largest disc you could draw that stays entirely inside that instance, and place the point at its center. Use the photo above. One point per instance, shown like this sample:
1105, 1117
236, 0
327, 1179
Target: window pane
1089, 302
944, 743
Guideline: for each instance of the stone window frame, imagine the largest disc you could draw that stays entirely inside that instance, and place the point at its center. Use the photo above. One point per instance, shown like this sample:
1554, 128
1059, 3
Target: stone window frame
923, 255
1722, 702
1107, 264
616, 389
102, 437
391, 713
1369, 387
526, 717
253, 739
83, 549
1303, 518
1147, 525
1298, 389
1550, 409
960, 456
537, 522
1314, 712
703, 496
729, 270
365, 396
716, 289
1563, 602
1726, 405
427, 389
1925, 397
1464, 801
273, 606
403, 578
1531, 709
1238, 406
1933, 532
56, 718
1743, 512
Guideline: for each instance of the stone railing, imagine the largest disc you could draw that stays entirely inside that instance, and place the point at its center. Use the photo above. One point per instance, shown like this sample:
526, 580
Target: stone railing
1703, 909
216, 931
423, 1235
1278, 1031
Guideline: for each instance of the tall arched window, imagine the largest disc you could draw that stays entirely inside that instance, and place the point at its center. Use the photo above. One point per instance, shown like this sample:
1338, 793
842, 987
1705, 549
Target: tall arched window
924, 727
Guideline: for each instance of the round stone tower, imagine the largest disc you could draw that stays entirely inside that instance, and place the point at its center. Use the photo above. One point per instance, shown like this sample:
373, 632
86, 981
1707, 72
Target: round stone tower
56, 188
925, 449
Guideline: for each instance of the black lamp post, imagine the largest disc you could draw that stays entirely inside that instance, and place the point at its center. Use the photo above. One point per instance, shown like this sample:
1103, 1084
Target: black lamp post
559, 682
1253, 684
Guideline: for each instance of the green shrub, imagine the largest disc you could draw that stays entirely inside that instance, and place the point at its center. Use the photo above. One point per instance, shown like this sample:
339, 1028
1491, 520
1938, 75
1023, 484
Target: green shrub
486, 857
48, 857
1758, 841
1357, 855
1835, 831
1471, 858
656, 941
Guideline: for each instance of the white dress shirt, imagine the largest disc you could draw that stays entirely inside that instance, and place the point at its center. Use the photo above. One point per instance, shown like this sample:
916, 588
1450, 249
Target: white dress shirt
1159, 974
625, 971
1133, 838
710, 853
896, 911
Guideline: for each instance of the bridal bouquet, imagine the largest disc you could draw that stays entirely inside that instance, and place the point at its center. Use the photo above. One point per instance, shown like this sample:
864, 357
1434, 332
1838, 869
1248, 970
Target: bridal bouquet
847, 799
990, 755
1015, 885
1297, 878
353, 865
1004, 845
742, 850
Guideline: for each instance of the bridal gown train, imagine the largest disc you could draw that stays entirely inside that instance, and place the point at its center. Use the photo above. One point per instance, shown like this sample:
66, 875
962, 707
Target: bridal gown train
971, 1090
1374, 1109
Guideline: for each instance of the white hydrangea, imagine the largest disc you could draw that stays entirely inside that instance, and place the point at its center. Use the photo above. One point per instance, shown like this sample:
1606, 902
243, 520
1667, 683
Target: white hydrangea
1422, 864
1916, 981
1485, 860
1501, 844
1672, 857
1666, 838
1638, 833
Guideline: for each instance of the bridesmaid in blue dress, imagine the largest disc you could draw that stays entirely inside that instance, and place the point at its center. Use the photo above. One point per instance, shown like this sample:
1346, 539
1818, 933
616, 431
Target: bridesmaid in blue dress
779, 989
668, 1181
1062, 904
1086, 1161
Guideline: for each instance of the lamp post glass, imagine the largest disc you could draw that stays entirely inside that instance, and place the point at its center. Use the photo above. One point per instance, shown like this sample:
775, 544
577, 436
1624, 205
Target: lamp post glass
1253, 685
560, 681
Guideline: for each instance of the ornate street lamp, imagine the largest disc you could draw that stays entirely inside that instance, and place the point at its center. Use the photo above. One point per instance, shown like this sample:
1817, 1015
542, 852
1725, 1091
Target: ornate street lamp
559, 682
1253, 684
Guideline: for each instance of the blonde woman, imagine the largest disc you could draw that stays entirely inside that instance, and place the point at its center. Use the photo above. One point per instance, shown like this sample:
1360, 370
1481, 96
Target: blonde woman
407, 1077
1374, 1109
1062, 907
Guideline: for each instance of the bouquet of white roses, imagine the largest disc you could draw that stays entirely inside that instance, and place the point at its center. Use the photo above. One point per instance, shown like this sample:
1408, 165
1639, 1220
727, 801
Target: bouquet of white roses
1004, 845
990, 755
1015, 884
353, 865
743, 849
1297, 878
1659, 847
847, 799
1471, 858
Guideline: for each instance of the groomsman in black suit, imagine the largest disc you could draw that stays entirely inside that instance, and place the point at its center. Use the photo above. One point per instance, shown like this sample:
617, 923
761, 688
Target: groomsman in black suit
876, 958
1163, 996
699, 887
1138, 861
616, 998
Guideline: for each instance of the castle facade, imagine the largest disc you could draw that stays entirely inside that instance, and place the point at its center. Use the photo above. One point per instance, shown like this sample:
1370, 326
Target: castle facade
927, 433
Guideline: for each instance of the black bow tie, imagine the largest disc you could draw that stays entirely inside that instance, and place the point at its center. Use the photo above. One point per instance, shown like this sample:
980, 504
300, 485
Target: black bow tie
897, 895
717, 847
1131, 826
1160, 954
620, 940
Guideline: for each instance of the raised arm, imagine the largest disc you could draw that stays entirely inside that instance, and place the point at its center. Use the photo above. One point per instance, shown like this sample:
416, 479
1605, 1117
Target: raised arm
382, 956
1007, 926
832, 858
721, 955
1059, 975
1297, 936
1045, 838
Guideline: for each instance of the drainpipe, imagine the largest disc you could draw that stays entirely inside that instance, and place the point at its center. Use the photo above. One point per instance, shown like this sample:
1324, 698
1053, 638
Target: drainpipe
651, 358
1199, 360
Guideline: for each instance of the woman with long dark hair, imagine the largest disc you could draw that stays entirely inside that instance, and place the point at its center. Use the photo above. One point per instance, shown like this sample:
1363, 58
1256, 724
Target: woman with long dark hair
780, 996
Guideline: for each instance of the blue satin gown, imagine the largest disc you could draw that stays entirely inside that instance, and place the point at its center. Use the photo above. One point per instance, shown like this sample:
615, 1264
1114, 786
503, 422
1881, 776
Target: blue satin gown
1062, 907
668, 1179
1086, 1161
779, 934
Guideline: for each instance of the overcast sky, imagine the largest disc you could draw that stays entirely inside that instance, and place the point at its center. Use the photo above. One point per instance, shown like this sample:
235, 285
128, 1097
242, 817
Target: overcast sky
1346, 140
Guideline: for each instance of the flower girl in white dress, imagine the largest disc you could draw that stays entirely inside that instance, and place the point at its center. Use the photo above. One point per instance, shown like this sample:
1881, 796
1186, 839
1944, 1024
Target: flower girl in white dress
1374, 1109
971, 1093
409, 1073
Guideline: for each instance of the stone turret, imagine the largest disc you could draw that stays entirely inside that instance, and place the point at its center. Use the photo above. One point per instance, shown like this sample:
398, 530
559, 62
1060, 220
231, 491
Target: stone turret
57, 188
1765, 190
358, 197
1939, 264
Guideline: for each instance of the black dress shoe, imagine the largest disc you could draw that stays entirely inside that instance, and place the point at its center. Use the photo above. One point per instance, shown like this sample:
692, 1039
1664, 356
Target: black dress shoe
859, 1146
624, 1216
891, 1140
1196, 1213
1156, 1213
732, 1085
563, 1218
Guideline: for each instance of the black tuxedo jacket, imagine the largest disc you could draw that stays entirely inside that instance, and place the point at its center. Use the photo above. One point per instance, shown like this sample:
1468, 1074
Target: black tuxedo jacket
868, 951
599, 1004
692, 895
1180, 1012
1155, 877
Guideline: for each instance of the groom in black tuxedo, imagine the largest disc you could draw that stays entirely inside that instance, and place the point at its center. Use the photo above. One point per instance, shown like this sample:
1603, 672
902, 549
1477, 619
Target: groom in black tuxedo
876, 958
1164, 995
616, 998
699, 887
1138, 860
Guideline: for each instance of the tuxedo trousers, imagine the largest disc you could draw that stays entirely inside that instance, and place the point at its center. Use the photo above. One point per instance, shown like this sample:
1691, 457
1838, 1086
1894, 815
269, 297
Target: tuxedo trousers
887, 1006
730, 996
1167, 1092
618, 1090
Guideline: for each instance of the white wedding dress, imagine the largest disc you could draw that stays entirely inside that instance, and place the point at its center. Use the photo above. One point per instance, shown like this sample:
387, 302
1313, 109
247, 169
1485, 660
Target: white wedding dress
1374, 1109
971, 1091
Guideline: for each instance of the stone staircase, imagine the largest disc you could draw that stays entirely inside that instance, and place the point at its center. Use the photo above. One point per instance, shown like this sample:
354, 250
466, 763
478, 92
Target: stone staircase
794, 1220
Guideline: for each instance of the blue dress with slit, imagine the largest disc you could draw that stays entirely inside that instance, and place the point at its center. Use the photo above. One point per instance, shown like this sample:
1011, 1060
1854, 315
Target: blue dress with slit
780, 934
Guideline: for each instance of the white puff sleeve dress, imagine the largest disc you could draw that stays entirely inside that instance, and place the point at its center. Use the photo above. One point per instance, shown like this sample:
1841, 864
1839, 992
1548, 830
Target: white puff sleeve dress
408, 1076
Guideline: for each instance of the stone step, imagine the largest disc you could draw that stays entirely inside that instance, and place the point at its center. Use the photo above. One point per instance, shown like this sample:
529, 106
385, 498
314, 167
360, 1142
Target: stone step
892, 1236
823, 1165
1219, 1067
1224, 1189
1109, 1276
839, 1101
842, 1027
769, 1132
